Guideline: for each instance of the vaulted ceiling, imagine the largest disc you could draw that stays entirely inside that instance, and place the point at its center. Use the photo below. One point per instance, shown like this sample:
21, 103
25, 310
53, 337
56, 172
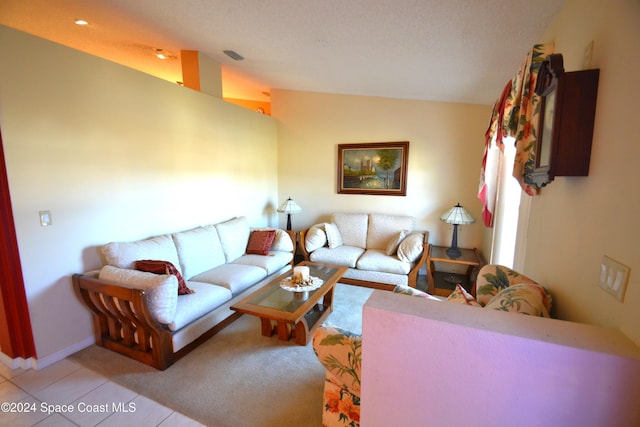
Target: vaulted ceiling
442, 50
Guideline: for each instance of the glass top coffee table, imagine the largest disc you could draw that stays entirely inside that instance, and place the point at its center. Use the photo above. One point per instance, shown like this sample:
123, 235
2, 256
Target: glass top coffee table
294, 314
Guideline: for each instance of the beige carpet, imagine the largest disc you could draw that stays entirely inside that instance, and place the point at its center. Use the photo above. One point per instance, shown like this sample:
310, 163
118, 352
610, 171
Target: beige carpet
238, 377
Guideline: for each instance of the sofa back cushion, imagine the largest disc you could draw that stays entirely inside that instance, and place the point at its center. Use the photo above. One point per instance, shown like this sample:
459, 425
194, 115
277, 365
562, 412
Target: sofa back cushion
352, 227
382, 228
234, 237
125, 254
199, 250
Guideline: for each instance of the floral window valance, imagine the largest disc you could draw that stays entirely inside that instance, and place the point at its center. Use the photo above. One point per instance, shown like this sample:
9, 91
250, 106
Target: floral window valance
515, 114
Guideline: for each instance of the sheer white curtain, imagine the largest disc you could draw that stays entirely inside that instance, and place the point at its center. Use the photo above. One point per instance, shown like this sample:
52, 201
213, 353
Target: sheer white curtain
507, 204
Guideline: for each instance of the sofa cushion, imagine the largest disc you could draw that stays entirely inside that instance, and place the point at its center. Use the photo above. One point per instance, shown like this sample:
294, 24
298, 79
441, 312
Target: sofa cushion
271, 263
377, 277
411, 247
344, 255
192, 307
461, 296
163, 267
199, 250
382, 227
125, 254
235, 277
315, 238
525, 298
260, 242
353, 228
161, 290
234, 236
334, 238
394, 242
378, 260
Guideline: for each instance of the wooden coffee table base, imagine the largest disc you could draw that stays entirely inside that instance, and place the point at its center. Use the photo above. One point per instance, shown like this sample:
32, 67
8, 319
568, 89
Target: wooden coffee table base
287, 313
299, 330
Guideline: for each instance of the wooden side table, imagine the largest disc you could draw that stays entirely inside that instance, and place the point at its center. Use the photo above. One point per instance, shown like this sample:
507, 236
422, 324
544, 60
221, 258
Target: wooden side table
445, 273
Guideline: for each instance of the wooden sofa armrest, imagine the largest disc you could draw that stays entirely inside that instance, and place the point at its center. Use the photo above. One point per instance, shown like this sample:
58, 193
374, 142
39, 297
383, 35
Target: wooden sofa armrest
122, 321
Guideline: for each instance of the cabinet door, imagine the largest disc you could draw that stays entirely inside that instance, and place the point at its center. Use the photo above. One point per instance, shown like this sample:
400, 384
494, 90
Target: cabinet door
565, 130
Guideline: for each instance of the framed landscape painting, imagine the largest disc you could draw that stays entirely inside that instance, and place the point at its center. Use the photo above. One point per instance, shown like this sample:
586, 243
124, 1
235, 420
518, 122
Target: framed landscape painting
373, 168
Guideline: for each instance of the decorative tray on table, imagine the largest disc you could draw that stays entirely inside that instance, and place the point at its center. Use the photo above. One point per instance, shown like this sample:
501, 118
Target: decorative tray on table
290, 284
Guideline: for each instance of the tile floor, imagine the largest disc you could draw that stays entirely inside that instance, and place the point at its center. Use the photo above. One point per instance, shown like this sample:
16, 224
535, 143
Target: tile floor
67, 394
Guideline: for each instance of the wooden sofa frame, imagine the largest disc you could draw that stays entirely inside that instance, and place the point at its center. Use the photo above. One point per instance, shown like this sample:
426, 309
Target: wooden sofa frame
122, 321
413, 274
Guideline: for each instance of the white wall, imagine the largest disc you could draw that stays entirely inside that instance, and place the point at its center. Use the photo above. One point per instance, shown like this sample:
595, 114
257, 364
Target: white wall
575, 221
115, 154
446, 143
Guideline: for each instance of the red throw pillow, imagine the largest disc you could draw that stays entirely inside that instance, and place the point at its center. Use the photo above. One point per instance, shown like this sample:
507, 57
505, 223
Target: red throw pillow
260, 242
164, 267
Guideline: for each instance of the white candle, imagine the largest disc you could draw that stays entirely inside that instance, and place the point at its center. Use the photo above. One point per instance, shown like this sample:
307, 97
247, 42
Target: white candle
301, 274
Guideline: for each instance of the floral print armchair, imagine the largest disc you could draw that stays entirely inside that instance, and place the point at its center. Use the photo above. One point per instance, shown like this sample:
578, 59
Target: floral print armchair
340, 352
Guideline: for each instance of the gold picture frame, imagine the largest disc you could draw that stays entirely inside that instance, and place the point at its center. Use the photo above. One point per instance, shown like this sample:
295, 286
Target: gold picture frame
378, 168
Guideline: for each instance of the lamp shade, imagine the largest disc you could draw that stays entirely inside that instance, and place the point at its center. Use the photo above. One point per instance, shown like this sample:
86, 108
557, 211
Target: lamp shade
289, 207
457, 215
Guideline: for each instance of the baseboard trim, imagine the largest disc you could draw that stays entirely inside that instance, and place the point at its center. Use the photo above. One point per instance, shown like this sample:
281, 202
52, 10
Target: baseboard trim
17, 362
49, 360
37, 364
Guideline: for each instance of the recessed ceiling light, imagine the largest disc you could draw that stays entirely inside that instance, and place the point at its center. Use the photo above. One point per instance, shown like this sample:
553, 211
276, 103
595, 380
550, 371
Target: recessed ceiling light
81, 22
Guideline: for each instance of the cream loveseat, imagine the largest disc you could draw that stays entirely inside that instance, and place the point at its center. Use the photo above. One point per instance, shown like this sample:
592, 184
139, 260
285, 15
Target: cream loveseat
183, 296
381, 251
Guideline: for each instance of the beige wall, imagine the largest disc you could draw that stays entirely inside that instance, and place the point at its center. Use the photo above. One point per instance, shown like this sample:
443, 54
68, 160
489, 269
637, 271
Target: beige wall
115, 154
446, 145
575, 221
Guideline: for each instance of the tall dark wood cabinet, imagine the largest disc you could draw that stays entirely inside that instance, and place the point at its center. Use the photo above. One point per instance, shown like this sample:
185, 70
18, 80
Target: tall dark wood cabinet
567, 114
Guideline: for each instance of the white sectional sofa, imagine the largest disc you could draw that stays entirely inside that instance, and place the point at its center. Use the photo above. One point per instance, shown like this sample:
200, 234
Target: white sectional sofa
141, 314
381, 251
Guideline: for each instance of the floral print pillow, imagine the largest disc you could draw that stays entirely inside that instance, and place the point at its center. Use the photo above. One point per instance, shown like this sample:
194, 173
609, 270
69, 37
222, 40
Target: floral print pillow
493, 278
461, 296
407, 290
524, 298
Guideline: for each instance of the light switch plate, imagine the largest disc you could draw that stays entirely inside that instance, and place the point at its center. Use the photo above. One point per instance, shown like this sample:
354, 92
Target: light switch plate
614, 277
45, 218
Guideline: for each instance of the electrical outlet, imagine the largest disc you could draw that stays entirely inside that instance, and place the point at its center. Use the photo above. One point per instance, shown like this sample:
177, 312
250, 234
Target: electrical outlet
614, 277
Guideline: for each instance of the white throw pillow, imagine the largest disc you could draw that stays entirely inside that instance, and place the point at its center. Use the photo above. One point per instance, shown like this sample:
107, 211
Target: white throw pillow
161, 290
315, 238
333, 235
282, 242
394, 242
411, 247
